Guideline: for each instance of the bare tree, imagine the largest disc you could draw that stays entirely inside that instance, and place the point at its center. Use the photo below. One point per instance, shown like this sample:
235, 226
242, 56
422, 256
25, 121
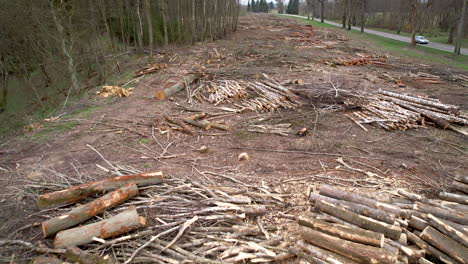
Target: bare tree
414, 11
460, 28
322, 10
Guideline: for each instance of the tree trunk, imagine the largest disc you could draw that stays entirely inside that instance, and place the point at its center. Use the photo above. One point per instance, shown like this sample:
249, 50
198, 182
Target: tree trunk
79, 192
391, 231
316, 253
322, 11
350, 13
4, 73
82, 213
434, 252
460, 186
345, 11
448, 230
355, 251
453, 197
116, 225
139, 28
413, 22
460, 30
345, 232
179, 86
149, 21
445, 244
457, 217
164, 18
357, 208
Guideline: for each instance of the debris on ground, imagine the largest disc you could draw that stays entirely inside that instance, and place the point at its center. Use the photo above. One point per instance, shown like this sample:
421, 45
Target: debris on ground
277, 129
108, 90
152, 68
426, 78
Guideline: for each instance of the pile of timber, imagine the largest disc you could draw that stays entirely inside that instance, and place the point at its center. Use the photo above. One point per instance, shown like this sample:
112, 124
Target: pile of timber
259, 96
197, 120
186, 221
461, 78
426, 78
352, 227
352, 62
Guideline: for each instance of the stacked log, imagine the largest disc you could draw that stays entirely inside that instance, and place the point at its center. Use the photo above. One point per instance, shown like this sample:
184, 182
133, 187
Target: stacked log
354, 227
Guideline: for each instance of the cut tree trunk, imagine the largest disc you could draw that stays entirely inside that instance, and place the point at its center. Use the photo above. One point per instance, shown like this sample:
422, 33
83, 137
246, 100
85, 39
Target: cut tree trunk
329, 191
448, 230
460, 186
357, 208
449, 108
316, 253
453, 197
445, 244
391, 231
417, 223
79, 192
455, 206
82, 213
205, 124
179, 86
349, 233
116, 225
355, 251
429, 249
420, 222
457, 217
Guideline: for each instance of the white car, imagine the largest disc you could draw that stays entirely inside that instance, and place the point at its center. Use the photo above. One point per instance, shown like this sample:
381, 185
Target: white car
421, 40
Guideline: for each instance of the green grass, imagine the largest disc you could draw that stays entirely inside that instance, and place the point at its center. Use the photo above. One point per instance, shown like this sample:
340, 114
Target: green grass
403, 49
50, 129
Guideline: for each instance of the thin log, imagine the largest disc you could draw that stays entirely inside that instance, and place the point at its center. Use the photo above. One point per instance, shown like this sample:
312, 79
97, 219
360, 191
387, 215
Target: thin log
457, 217
318, 254
416, 197
179, 86
445, 244
116, 225
460, 178
429, 249
76, 255
182, 126
419, 222
455, 206
82, 213
357, 208
450, 108
406, 250
460, 186
453, 197
310, 259
329, 191
448, 230
358, 252
79, 192
391, 231
205, 124
349, 233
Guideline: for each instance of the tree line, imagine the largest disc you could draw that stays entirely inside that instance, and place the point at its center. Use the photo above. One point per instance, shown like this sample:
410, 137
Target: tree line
426, 17
260, 6
56, 48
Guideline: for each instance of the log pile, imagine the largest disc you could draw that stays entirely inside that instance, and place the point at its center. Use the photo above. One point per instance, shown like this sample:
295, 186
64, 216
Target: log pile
426, 78
349, 227
260, 96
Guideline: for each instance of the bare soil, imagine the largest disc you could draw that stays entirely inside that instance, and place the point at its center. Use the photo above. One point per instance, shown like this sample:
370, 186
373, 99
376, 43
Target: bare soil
127, 130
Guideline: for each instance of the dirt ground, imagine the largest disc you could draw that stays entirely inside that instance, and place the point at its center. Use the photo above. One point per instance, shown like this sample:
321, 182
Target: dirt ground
127, 130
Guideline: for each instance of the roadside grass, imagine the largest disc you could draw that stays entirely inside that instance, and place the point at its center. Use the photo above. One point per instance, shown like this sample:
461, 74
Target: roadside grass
402, 49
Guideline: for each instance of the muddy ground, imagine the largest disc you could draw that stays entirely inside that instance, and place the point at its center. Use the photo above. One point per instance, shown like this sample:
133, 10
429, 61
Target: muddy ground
127, 131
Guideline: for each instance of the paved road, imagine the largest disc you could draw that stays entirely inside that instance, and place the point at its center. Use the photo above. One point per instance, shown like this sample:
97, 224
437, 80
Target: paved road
433, 45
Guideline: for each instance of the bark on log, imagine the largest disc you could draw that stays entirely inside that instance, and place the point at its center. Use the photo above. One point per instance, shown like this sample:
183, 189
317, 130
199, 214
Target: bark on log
416, 197
358, 252
457, 217
179, 86
329, 191
448, 230
460, 178
205, 124
82, 213
391, 231
406, 250
79, 192
429, 249
116, 225
310, 259
318, 254
184, 128
445, 244
76, 255
455, 206
453, 197
357, 208
460, 186
450, 108
352, 234
419, 222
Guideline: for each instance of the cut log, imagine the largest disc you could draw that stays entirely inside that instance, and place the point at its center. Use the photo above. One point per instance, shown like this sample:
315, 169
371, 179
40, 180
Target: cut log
438, 121
455, 206
318, 254
179, 86
180, 125
357, 208
416, 197
457, 217
445, 244
79, 192
352, 234
460, 186
417, 223
421, 222
116, 225
310, 259
406, 250
453, 197
358, 252
82, 213
329, 191
391, 231
76, 255
448, 230
460, 178
450, 108
205, 124
430, 249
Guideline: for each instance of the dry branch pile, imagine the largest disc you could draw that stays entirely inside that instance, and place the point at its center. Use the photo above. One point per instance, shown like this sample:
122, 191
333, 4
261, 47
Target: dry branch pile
149, 69
262, 95
107, 91
349, 227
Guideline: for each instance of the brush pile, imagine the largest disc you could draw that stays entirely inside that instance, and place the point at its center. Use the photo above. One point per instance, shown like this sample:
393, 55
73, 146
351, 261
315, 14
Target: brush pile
349, 227
260, 96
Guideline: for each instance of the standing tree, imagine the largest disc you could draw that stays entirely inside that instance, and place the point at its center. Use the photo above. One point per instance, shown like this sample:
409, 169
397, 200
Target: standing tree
248, 6
280, 5
322, 10
363, 13
460, 28
271, 5
414, 12
345, 11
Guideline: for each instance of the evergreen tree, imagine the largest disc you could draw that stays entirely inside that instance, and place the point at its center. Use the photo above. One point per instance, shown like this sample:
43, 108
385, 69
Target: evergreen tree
293, 7
248, 6
271, 5
254, 6
289, 8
